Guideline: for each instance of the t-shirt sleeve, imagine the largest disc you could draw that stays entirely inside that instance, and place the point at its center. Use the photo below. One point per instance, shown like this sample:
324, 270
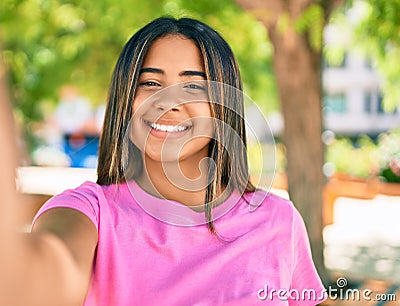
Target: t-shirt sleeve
84, 199
306, 286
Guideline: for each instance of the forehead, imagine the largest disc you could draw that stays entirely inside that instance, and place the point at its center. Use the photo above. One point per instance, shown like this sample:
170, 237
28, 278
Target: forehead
174, 50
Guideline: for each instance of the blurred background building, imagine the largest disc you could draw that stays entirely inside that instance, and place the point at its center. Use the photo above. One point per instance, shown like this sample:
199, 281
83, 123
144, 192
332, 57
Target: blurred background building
352, 100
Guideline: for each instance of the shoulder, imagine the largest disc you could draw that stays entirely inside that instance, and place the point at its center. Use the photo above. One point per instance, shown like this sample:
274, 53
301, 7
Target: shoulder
280, 213
90, 191
269, 210
258, 213
87, 187
265, 202
88, 198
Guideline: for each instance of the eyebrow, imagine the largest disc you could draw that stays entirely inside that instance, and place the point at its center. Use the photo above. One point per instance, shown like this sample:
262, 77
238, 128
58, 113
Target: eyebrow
183, 73
151, 70
190, 73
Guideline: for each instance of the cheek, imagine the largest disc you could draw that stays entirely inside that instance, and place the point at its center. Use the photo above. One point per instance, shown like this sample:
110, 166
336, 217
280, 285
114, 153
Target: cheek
136, 104
138, 101
138, 134
199, 110
205, 119
195, 146
204, 109
203, 123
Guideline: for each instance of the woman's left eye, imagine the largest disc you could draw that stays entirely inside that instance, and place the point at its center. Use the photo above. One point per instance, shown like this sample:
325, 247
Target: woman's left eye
194, 86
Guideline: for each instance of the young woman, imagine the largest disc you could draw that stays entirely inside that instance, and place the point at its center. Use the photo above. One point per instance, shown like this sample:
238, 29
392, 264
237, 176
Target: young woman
173, 218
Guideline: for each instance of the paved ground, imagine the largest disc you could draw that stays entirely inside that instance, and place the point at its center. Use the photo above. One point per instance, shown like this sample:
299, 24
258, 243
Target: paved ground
363, 246
364, 240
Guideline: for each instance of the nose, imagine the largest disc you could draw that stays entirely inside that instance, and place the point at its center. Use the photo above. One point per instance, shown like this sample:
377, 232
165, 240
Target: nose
167, 105
169, 99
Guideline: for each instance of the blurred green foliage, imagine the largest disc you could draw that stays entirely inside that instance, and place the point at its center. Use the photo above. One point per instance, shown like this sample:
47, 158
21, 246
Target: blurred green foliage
372, 27
388, 156
312, 22
354, 159
49, 43
379, 34
363, 158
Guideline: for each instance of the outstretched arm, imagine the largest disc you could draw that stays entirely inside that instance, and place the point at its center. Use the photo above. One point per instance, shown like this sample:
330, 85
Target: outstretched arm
52, 265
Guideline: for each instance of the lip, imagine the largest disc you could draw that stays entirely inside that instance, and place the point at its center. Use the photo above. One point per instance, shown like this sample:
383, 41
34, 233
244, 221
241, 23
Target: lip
167, 128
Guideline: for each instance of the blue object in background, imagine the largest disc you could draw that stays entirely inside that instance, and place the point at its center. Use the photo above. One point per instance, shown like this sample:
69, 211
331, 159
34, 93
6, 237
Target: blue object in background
82, 150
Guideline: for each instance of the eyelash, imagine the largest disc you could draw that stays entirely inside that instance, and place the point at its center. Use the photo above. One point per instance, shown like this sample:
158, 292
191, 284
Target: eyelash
149, 84
194, 86
191, 86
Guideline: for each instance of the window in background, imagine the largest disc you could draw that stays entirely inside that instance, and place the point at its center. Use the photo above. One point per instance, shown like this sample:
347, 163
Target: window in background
335, 103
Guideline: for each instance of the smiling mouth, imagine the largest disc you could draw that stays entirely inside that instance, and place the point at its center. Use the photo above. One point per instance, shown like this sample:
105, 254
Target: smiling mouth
167, 128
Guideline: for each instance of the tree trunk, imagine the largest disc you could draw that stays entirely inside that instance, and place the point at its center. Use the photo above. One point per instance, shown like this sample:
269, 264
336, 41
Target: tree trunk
297, 69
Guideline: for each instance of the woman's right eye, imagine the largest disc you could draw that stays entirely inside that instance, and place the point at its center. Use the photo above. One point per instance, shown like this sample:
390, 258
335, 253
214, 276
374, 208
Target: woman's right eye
149, 84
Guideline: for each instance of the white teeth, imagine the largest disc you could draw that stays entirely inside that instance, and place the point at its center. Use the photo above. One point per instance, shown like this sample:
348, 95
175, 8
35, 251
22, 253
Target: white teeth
168, 128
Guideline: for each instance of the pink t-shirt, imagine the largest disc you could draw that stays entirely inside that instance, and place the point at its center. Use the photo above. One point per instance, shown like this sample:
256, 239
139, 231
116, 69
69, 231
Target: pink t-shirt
263, 258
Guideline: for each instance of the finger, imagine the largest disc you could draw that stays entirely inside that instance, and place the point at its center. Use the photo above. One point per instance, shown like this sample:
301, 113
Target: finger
8, 160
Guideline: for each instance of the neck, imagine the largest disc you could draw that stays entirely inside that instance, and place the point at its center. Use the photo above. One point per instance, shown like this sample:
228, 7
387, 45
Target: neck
184, 181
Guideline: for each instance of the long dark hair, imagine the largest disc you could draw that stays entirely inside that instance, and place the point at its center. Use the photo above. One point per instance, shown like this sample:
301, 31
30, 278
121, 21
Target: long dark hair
221, 67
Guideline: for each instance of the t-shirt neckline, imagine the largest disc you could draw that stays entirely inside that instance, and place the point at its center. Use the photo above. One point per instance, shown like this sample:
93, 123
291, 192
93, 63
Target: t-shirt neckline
174, 212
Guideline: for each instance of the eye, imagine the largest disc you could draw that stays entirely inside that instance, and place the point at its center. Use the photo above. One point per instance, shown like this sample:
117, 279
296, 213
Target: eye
149, 84
194, 87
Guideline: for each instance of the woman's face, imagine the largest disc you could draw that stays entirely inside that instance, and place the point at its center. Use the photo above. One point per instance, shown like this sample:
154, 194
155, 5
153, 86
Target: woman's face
171, 113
